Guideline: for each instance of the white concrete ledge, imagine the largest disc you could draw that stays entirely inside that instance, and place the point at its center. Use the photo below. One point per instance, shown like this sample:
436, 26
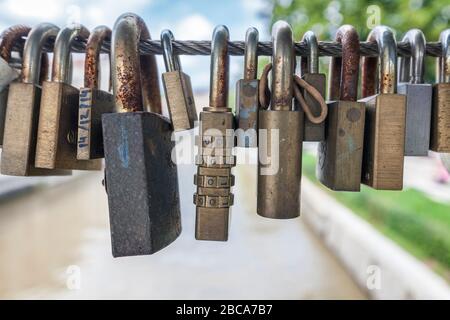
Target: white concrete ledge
377, 264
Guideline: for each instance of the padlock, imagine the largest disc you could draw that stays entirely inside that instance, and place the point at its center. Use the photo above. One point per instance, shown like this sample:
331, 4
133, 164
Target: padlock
56, 146
418, 95
21, 121
8, 39
177, 87
310, 73
247, 101
340, 155
214, 180
93, 102
280, 135
440, 119
384, 133
142, 184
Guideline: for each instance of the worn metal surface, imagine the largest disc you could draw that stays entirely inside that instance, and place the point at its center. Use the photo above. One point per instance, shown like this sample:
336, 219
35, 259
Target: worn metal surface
142, 183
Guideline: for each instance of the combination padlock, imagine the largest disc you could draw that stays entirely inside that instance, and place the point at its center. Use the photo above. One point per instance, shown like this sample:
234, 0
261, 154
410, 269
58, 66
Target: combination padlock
384, 133
214, 180
340, 155
141, 177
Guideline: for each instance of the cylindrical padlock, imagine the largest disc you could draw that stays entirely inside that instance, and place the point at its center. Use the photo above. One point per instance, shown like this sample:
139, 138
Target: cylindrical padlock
280, 135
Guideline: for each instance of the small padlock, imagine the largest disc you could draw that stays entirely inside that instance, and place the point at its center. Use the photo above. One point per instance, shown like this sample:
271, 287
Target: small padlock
418, 95
144, 207
384, 137
56, 146
93, 102
440, 120
177, 87
22, 112
280, 135
247, 101
214, 180
310, 73
340, 155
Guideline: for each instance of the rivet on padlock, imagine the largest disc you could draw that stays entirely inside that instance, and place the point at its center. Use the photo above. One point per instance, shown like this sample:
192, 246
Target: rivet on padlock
21, 121
213, 198
310, 73
340, 155
177, 87
93, 102
144, 207
384, 137
247, 102
418, 95
280, 136
56, 146
440, 123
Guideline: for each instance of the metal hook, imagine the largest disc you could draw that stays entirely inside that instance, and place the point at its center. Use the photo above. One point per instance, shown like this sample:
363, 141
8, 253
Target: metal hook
220, 61
312, 60
443, 63
92, 59
412, 69
250, 54
171, 61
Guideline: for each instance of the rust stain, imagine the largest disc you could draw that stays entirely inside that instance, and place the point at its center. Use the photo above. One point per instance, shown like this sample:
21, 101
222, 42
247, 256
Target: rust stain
92, 59
10, 38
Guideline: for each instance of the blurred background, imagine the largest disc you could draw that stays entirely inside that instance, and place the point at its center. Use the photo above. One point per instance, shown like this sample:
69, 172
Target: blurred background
54, 232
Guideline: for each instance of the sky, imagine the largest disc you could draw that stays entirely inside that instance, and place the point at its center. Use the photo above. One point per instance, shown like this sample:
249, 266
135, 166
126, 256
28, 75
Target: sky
188, 20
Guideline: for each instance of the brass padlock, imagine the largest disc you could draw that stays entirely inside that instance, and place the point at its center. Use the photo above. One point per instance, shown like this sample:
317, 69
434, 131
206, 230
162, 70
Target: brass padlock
142, 184
247, 101
93, 102
280, 135
340, 155
56, 146
310, 73
418, 95
384, 137
177, 88
21, 121
214, 180
440, 120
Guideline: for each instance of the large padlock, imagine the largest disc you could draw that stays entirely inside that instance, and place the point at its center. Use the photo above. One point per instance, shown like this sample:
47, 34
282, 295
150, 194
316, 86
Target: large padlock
21, 121
310, 73
280, 135
384, 137
340, 155
247, 101
56, 146
418, 95
93, 102
214, 180
141, 177
440, 120
177, 88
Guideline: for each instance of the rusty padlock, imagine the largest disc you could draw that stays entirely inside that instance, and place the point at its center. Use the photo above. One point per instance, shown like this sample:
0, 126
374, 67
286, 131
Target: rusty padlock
177, 87
21, 121
214, 180
310, 73
340, 155
418, 95
440, 120
280, 135
247, 102
142, 184
93, 102
384, 137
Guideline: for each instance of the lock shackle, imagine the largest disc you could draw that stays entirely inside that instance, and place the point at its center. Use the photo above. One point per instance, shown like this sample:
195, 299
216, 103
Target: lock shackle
92, 59
62, 57
411, 69
35, 62
250, 54
220, 68
171, 60
344, 71
134, 77
387, 58
10, 37
283, 61
443, 63
310, 63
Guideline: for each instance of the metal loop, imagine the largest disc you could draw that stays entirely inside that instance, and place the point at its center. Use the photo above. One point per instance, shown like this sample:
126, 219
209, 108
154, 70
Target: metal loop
171, 60
10, 37
250, 54
92, 58
443, 69
264, 92
220, 62
310, 63
300, 83
411, 69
